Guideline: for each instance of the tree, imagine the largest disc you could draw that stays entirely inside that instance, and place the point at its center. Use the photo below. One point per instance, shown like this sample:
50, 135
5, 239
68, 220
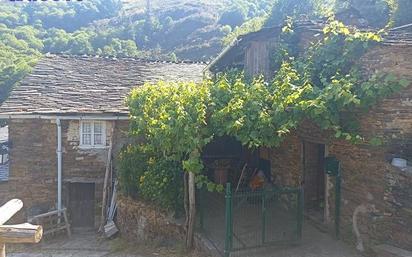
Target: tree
234, 16
171, 120
289, 8
402, 14
376, 12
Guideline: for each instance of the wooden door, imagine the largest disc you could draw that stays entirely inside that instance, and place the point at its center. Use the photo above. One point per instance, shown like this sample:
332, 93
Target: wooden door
82, 204
314, 176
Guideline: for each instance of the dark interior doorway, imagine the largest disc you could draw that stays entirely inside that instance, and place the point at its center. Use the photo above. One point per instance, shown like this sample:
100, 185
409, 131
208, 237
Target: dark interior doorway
81, 204
314, 179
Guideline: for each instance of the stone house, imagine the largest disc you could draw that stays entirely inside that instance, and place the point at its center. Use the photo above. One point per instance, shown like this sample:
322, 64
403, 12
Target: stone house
62, 119
376, 205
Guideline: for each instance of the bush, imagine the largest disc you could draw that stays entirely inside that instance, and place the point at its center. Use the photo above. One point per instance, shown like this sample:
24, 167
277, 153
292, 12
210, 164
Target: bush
154, 179
162, 183
132, 165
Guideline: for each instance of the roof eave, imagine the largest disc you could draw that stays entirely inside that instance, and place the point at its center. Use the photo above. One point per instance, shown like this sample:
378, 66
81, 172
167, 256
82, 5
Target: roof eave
82, 116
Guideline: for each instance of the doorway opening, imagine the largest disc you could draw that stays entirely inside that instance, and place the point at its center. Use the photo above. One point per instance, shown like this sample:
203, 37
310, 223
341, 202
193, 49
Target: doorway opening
314, 180
82, 205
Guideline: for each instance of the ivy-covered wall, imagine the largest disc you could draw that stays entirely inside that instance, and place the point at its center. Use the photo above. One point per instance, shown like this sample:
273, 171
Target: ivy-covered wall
369, 180
376, 193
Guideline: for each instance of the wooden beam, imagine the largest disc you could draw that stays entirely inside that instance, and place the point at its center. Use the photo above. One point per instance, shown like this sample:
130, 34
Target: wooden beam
9, 209
22, 233
47, 214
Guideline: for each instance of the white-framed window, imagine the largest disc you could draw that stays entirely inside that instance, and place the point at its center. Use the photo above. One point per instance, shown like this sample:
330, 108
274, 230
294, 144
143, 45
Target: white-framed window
92, 134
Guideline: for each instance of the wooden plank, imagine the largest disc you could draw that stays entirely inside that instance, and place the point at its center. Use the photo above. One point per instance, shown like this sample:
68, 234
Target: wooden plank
48, 214
9, 209
22, 233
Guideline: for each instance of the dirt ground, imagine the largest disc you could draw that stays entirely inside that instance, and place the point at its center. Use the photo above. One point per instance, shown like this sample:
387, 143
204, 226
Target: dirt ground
88, 244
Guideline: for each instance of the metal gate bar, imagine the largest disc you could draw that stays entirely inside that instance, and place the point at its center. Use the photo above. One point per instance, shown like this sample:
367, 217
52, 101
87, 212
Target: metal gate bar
252, 219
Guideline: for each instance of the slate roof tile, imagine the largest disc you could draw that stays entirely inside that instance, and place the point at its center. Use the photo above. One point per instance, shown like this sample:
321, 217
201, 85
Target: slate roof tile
80, 84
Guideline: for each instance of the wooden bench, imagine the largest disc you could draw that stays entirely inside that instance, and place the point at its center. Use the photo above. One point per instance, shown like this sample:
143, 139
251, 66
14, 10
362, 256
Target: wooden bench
53, 221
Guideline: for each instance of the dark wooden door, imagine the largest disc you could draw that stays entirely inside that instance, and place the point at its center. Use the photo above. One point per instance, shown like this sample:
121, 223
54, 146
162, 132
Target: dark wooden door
314, 176
81, 204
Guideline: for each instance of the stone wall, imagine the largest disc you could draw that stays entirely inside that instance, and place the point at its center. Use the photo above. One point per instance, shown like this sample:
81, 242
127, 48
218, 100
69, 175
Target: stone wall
33, 162
380, 194
139, 221
369, 181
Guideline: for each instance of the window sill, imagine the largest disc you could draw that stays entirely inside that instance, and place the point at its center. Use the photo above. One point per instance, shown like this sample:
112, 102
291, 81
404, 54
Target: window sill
88, 147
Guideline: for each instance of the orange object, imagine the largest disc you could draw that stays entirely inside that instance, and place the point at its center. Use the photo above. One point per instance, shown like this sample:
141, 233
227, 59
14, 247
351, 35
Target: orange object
257, 181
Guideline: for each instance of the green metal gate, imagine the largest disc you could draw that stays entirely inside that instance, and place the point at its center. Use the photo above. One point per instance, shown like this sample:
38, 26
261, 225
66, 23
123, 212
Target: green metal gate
244, 220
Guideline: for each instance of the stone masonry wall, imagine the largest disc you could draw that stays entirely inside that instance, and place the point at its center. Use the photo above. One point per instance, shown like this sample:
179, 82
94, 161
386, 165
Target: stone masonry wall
139, 221
381, 192
33, 162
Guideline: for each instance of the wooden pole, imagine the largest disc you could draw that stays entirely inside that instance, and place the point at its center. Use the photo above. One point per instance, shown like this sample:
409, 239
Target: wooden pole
192, 210
106, 178
9, 209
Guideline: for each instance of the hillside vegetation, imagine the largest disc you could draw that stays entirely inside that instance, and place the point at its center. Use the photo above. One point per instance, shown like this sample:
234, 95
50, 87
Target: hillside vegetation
163, 29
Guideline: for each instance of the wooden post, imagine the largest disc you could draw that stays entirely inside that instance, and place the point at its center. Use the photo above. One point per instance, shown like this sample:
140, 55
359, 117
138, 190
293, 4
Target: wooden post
106, 178
192, 210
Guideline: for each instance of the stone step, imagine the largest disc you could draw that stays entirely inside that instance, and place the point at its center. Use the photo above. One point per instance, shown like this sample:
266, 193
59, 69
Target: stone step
391, 251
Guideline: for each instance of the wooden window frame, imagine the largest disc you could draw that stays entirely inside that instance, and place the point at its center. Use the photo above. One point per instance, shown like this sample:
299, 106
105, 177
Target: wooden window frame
92, 144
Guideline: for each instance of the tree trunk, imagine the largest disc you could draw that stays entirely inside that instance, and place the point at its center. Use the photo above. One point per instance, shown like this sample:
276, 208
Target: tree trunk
9, 209
192, 211
186, 198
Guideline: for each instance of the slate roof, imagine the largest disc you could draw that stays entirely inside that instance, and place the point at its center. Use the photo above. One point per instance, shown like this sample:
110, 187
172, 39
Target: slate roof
89, 85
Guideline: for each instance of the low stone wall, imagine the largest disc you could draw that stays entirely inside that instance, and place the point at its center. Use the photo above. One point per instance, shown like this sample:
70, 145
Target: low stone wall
139, 221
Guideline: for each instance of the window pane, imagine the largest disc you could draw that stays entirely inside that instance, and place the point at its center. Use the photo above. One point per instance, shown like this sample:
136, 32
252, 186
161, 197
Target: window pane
98, 128
98, 139
87, 139
87, 127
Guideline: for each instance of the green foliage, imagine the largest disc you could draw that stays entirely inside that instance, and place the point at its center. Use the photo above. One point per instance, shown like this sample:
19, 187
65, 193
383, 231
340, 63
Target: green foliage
296, 9
249, 26
402, 13
377, 12
322, 84
162, 183
151, 177
133, 162
171, 117
233, 17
